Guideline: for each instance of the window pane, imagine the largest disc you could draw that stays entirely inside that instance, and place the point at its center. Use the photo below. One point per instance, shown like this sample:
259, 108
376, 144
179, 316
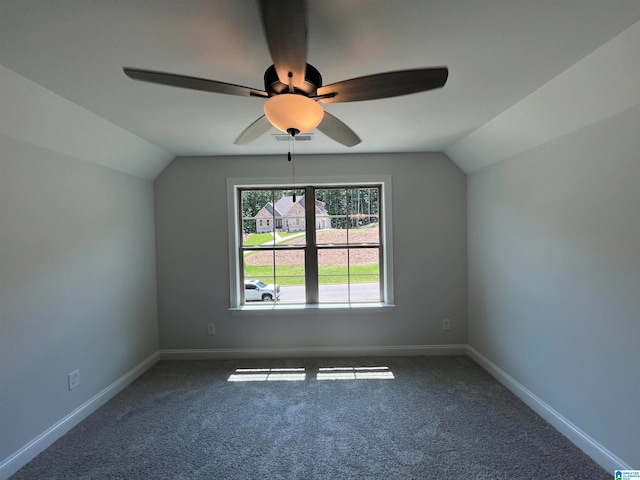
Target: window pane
258, 289
259, 265
290, 276
290, 216
363, 209
331, 208
366, 292
349, 275
258, 221
364, 274
263, 235
333, 275
363, 201
355, 201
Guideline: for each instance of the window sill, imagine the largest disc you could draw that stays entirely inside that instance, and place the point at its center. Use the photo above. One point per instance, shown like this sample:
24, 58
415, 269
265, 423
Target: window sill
325, 308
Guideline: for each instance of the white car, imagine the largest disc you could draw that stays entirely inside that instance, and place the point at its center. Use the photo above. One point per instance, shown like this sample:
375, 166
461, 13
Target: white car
257, 290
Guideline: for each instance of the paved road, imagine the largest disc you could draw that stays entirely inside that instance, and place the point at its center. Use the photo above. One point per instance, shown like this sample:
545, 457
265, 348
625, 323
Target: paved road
333, 293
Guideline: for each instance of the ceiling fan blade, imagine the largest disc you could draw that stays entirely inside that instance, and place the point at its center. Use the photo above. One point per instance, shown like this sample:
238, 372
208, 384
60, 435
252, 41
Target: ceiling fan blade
253, 131
285, 26
384, 85
192, 83
337, 130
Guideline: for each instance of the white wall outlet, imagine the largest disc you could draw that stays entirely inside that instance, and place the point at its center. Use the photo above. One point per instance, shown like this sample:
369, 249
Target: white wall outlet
446, 324
74, 379
211, 329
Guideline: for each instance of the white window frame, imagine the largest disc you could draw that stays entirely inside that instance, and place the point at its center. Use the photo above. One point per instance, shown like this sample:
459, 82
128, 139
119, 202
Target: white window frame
235, 184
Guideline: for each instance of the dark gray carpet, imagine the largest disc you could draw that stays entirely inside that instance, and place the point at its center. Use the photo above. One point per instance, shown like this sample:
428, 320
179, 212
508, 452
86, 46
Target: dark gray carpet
439, 417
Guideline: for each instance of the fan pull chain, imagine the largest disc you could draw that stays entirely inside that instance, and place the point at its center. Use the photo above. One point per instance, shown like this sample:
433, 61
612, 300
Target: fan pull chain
292, 159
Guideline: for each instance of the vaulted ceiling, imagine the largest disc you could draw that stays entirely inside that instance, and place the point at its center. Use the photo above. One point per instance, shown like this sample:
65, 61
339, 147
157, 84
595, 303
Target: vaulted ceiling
521, 73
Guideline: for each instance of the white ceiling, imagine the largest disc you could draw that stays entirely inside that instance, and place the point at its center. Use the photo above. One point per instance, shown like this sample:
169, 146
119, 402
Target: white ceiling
509, 61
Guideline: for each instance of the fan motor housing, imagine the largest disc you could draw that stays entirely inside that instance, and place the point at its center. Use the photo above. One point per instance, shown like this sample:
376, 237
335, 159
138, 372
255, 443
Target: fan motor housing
312, 81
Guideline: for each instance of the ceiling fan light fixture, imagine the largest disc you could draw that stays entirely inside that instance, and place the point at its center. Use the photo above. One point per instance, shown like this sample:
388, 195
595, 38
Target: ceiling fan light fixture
293, 111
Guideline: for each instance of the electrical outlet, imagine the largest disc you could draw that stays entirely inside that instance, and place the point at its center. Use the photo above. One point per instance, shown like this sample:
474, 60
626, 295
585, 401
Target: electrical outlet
74, 379
446, 324
211, 329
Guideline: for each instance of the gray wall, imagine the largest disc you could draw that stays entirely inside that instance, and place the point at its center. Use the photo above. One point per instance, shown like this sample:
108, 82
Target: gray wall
77, 284
429, 239
554, 276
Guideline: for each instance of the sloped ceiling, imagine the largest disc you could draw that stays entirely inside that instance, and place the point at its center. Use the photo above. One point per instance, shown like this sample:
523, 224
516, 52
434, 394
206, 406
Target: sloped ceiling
521, 73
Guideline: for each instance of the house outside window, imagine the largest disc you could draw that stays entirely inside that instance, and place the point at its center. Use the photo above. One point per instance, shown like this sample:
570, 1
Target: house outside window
341, 260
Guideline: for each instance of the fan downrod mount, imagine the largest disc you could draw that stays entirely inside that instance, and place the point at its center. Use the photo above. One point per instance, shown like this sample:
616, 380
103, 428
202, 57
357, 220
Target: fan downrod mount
312, 81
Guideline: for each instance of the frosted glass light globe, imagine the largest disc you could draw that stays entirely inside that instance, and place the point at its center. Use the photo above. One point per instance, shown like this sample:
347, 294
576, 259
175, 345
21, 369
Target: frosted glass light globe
292, 111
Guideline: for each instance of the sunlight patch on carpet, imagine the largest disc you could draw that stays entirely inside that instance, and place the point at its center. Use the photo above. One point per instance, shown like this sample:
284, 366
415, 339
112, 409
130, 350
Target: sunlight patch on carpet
355, 373
268, 375
299, 374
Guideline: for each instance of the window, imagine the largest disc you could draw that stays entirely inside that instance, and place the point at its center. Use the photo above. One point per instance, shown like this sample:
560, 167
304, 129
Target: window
341, 260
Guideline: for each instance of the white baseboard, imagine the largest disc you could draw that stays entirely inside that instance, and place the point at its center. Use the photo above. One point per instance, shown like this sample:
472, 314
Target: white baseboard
308, 352
13, 463
588, 445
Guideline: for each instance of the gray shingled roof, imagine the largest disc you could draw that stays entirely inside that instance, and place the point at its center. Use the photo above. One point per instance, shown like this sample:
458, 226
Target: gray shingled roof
285, 204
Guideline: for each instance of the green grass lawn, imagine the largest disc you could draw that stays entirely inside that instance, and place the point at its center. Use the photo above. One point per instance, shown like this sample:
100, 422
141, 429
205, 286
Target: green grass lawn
258, 239
294, 274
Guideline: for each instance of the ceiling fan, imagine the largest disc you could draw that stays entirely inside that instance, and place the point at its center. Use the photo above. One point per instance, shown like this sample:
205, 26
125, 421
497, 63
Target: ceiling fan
293, 88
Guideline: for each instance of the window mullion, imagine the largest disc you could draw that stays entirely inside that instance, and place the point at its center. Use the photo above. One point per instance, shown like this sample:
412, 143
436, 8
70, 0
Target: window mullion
273, 234
239, 240
311, 256
382, 272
